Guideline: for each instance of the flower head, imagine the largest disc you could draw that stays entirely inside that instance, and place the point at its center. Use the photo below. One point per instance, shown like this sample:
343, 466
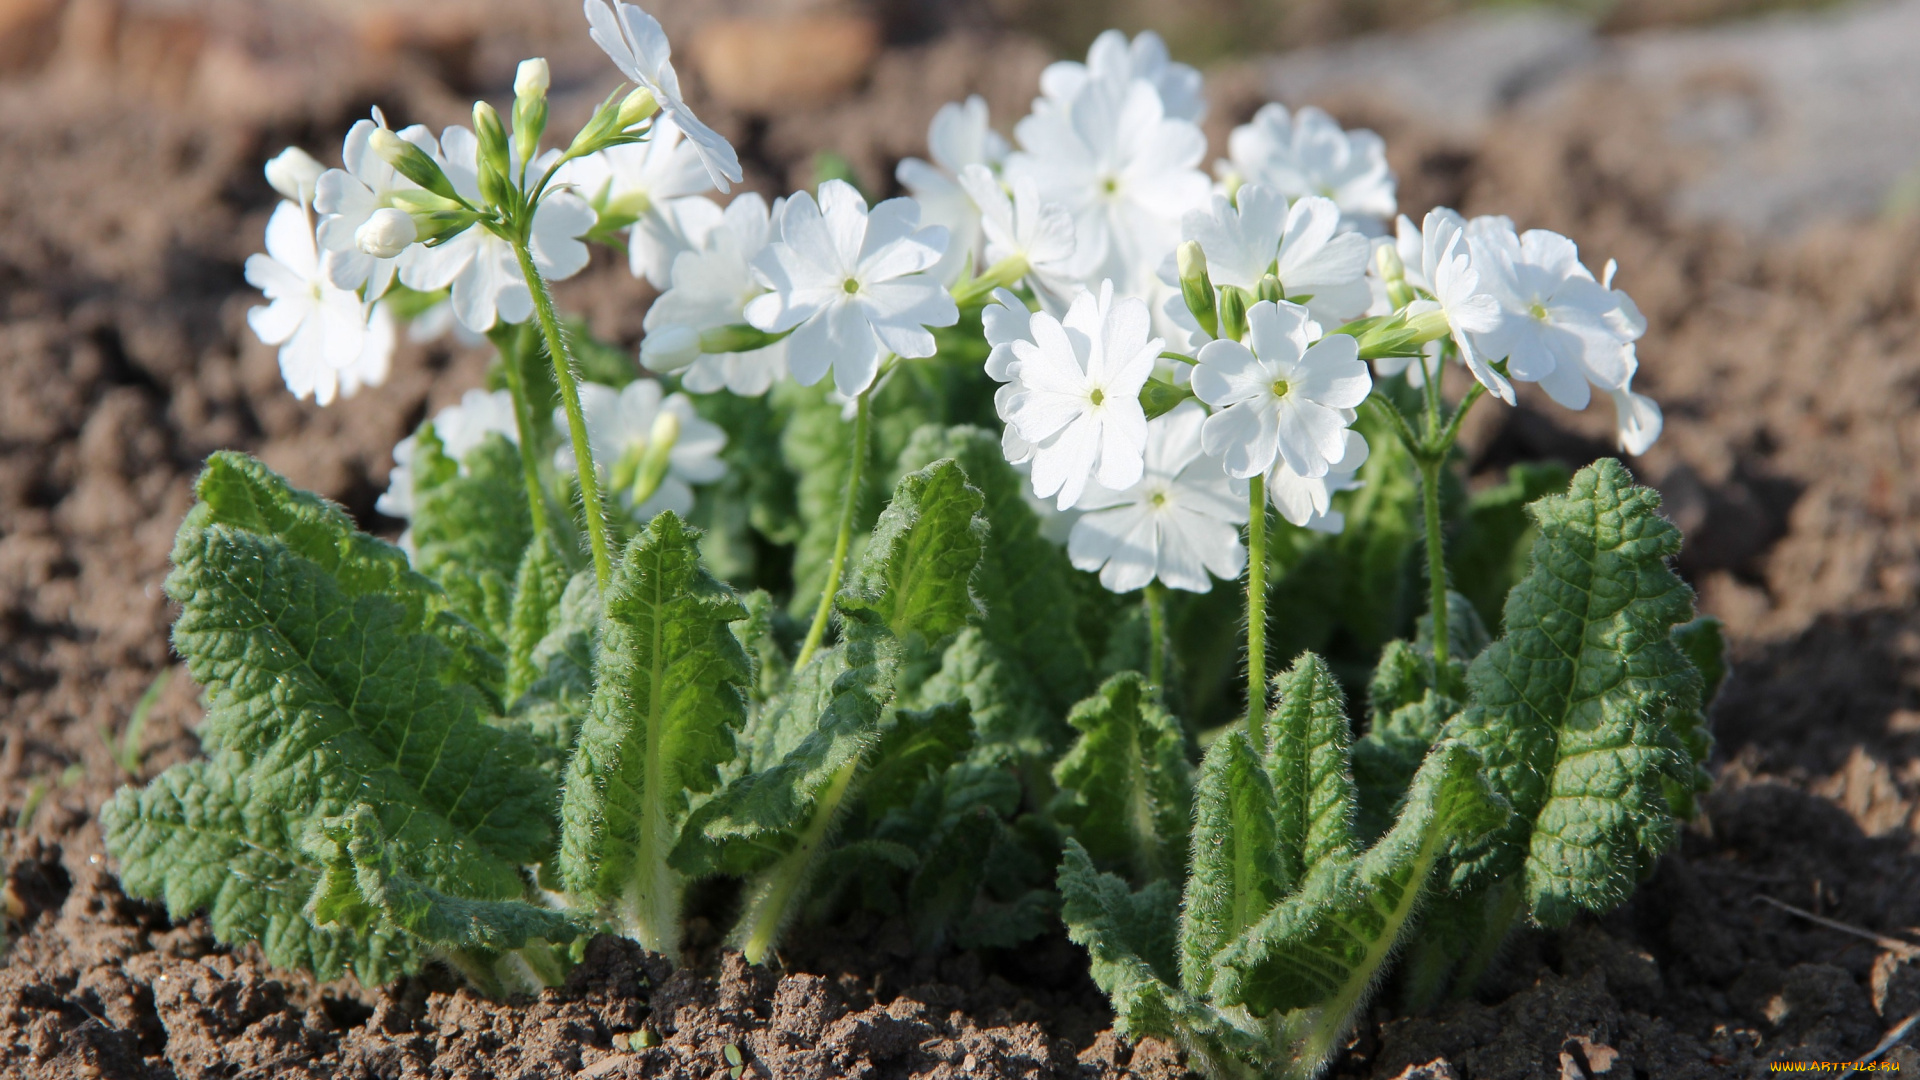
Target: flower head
1023, 228
293, 173
330, 341
1307, 153
851, 285
1179, 521
1006, 320
650, 447
1280, 399
347, 198
712, 284
658, 183
1557, 326
1307, 502
637, 45
478, 265
460, 428
1078, 394
1113, 59
1438, 258
958, 138
1257, 234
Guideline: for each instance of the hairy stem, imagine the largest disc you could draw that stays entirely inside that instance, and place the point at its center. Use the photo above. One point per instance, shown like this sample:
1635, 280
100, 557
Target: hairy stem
821, 614
1257, 614
506, 340
767, 910
1430, 467
1156, 601
576, 420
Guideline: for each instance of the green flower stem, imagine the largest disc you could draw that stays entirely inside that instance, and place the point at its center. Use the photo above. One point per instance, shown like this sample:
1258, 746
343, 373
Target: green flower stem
1156, 601
576, 420
1436, 558
767, 910
506, 340
861, 425
1257, 613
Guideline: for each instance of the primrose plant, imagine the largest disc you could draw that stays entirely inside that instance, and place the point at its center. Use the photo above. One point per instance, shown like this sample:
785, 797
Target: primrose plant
891, 587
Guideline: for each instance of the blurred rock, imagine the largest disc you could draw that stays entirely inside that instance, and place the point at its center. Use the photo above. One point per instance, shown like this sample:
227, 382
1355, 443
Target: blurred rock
771, 65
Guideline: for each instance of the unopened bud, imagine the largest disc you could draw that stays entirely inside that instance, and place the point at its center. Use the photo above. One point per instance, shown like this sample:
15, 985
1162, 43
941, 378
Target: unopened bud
1196, 287
637, 107
1269, 289
1393, 271
670, 348
653, 464
532, 78
530, 106
294, 173
494, 161
411, 162
1233, 313
387, 233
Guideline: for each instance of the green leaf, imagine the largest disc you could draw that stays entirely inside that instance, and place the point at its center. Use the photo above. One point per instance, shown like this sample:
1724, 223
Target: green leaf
915, 572
1574, 709
1489, 552
334, 675
1313, 787
1010, 716
817, 446
538, 586
470, 529
1125, 786
1236, 873
362, 881
1705, 647
555, 704
918, 744
1322, 949
669, 694
771, 665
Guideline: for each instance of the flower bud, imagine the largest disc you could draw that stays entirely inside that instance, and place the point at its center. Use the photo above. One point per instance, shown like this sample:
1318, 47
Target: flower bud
670, 348
1233, 313
637, 107
1269, 289
530, 84
387, 233
411, 162
494, 161
1196, 287
1386, 260
653, 464
532, 78
293, 173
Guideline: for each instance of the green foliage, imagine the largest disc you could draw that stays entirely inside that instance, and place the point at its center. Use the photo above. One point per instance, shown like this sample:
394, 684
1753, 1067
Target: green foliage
670, 687
1489, 551
335, 675
471, 525
1125, 785
1578, 709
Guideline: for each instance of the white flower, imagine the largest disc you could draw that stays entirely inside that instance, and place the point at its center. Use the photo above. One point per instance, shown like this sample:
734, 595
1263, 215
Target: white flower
346, 198
1124, 170
1078, 396
1281, 397
1302, 245
1306, 153
1558, 326
1179, 521
1007, 320
851, 285
637, 45
330, 342
481, 267
1181, 90
1308, 503
660, 181
439, 321
1022, 227
387, 233
293, 173
957, 138
1637, 420
460, 428
712, 285
623, 425
1438, 259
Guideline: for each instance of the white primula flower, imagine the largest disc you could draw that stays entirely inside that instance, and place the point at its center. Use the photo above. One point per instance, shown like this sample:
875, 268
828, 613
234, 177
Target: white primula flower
1558, 326
460, 428
851, 285
660, 181
1112, 58
1007, 320
330, 342
712, 285
1280, 399
293, 173
1022, 227
637, 45
1078, 396
480, 267
1125, 171
1307, 153
1308, 503
1637, 420
1301, 245
958, 137
1438, 259
1178, 522
626, 427
346, 199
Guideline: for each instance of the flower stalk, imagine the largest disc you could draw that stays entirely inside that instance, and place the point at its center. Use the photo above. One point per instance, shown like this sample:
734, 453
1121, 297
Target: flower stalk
506, 339
1156, 602
1257, 613
862, 424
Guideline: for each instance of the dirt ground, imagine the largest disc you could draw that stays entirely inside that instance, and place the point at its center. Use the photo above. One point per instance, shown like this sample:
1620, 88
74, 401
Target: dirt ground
129, 196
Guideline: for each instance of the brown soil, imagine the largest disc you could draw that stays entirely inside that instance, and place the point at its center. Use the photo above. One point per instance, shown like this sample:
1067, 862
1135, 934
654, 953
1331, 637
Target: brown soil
1789, 374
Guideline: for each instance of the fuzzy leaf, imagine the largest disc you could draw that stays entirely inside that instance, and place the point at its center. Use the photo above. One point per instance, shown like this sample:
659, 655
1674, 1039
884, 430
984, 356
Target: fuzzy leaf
555, 704
1235, 876
755, 632
1705, 647
470, 529
1574, 708
1308, 761
1490, 551
1011, 717
538, 586
915, 572
670, 691
1126, 787
362, 881
918, 744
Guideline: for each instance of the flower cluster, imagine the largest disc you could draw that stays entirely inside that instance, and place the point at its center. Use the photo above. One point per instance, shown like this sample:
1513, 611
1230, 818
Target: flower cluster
1109, 269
